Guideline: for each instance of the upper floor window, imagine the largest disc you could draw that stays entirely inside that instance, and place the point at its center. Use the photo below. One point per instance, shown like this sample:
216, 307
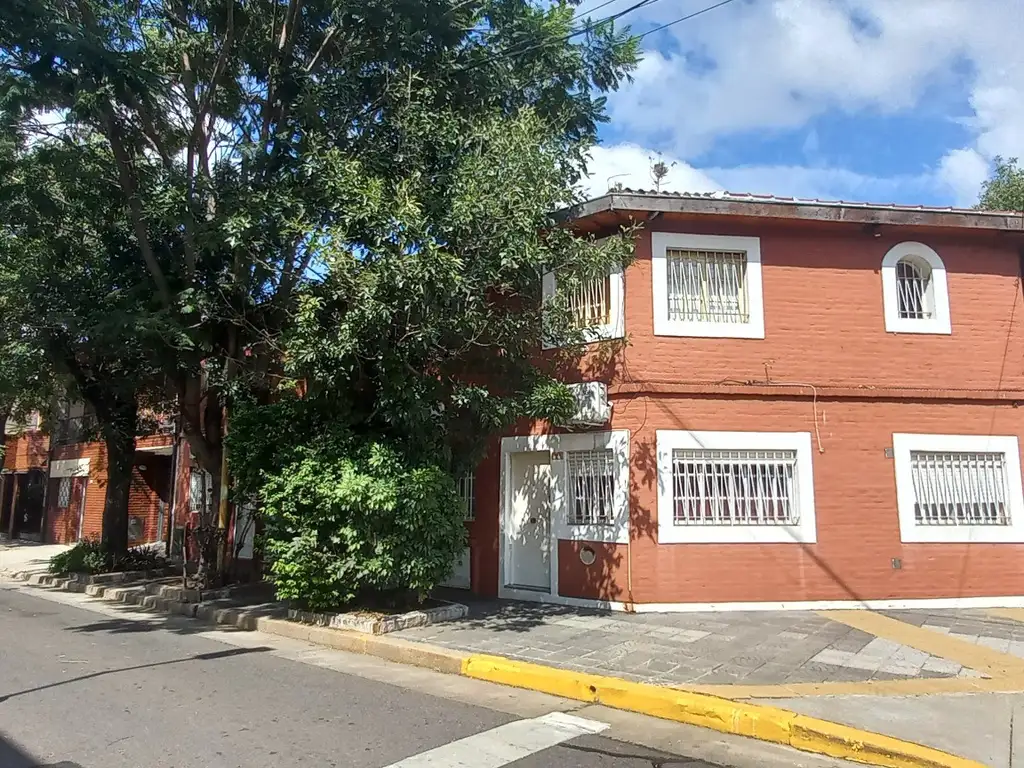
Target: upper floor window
914, 290
596, 305
707, 285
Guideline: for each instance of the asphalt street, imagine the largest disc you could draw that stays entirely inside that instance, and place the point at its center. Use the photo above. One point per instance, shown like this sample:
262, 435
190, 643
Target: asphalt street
98, 687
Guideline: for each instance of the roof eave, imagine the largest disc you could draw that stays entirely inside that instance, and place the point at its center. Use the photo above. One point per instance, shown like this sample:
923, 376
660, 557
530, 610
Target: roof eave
860, 214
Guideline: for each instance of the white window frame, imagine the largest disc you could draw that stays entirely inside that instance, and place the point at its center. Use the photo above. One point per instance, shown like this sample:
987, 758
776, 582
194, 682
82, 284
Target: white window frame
940, 322
617, 440
662, 242
804, 532
910, 532
615, 328
466, 487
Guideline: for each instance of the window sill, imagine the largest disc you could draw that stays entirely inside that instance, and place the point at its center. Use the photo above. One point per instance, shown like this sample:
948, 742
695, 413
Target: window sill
748, 330
735, 534
595, 335
933, 327
616, 533
962, 534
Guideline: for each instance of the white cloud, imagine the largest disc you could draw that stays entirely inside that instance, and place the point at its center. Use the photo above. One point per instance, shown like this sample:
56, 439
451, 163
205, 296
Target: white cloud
775, 64
630, 165
962, 171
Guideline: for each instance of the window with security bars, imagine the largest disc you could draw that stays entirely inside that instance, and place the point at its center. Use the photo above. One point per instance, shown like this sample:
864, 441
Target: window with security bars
590, 302
64, 493
959, 488
198, 495
590, 479
913, 290
467, 496
707, 286
734, 487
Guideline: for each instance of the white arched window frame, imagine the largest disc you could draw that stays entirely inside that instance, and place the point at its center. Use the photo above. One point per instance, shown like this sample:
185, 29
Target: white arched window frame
934, 296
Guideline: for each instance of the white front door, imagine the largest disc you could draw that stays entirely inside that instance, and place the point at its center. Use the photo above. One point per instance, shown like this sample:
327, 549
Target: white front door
528, 532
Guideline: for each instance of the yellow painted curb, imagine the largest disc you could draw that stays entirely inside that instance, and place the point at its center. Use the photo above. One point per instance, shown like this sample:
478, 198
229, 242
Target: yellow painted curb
742, 719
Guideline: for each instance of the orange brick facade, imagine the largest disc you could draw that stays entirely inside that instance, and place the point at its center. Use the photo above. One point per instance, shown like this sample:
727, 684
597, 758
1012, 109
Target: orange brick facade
827, 366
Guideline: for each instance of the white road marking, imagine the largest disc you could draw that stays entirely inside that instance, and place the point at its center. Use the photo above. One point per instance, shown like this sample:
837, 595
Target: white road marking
506, 743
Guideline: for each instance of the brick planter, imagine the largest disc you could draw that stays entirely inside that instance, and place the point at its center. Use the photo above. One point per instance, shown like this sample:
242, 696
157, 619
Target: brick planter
380, 625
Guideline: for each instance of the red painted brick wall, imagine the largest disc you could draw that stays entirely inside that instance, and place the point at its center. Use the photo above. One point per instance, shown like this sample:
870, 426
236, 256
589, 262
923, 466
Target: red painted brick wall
26, 451
824, 319
824, 325
144, 496
151, 484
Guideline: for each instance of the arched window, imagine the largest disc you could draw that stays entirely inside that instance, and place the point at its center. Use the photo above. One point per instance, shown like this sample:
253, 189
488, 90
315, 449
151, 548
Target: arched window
914, 296
914, 290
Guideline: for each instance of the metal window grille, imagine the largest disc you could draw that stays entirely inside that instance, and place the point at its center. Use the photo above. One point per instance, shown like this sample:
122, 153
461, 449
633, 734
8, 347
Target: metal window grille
197, 494
590, 302
591, 487
713, 487
707, 286
64, 493
913, 290
959, 488
467, 495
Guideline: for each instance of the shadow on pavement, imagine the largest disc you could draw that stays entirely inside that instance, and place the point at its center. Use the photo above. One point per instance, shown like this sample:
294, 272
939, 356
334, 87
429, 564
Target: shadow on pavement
197, 657
654, 757
12, 756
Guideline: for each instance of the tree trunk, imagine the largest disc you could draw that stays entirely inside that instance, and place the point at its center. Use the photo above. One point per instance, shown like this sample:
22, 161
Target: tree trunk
120, 441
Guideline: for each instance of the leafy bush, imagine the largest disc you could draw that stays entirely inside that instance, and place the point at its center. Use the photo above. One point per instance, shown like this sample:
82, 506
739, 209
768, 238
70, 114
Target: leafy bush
92, 557
350, 521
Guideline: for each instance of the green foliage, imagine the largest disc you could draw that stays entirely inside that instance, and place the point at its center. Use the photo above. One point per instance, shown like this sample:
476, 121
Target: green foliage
358, 194
93, 557
343, 524
1004, 191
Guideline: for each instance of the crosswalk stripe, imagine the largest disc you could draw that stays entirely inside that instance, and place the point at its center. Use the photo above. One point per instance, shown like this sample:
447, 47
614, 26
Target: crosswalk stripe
505, 744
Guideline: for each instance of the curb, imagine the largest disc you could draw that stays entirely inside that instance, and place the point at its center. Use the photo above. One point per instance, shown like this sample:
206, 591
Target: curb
756, 721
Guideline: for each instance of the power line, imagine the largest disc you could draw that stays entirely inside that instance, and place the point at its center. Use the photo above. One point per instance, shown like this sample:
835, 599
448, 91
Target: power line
684, 18
596, 7
566, 38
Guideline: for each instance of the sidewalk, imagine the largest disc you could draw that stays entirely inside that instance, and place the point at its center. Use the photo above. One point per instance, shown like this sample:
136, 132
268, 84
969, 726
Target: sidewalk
20, 555
945, 679
949, 680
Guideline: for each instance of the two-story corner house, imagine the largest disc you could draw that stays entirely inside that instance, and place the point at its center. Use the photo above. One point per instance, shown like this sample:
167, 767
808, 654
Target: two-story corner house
814, 404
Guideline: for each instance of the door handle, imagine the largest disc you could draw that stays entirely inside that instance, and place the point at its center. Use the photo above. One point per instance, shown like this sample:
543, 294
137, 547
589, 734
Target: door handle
533, 519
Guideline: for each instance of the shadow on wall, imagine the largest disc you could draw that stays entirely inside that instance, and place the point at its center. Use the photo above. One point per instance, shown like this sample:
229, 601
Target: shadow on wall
603, 570
645, 472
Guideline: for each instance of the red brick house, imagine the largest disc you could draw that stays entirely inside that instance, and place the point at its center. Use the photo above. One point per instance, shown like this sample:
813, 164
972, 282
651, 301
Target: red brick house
813, 404
53, 486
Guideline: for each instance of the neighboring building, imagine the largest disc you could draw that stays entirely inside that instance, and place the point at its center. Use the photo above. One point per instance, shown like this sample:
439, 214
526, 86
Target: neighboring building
814, 404
53, 486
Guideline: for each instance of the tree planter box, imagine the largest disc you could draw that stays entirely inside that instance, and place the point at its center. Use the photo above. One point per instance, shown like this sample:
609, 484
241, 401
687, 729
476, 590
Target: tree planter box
377, 624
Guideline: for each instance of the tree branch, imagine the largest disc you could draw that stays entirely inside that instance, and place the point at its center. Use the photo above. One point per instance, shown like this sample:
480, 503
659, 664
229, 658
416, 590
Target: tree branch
127, 179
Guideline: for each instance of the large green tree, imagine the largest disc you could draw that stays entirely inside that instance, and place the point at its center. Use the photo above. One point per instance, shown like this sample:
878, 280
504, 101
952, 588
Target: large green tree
266, 136
74, 315
357, 193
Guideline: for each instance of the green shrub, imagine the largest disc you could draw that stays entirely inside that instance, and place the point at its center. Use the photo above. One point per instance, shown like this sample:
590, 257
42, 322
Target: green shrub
348, 521
91, 557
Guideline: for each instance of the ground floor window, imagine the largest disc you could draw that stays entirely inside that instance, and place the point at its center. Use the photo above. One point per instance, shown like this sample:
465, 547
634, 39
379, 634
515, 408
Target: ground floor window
735, 487
590, 483
958, 488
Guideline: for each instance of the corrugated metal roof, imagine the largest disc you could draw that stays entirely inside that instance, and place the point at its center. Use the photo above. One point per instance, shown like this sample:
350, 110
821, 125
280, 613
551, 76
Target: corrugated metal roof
750, 197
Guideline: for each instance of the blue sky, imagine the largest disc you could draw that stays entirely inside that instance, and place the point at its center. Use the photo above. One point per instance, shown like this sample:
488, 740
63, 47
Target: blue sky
877, 100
